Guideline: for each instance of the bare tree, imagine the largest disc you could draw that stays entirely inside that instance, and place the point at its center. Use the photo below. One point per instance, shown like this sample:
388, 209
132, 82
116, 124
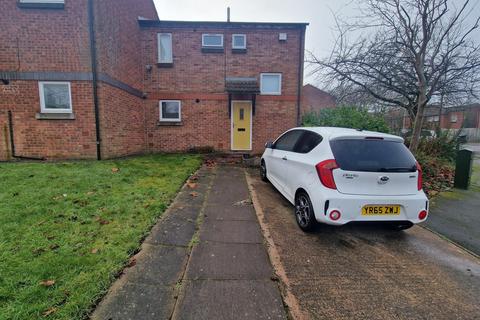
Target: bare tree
407, 52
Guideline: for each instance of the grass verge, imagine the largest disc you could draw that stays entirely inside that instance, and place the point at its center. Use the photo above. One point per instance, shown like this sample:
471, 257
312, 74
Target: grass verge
67, 229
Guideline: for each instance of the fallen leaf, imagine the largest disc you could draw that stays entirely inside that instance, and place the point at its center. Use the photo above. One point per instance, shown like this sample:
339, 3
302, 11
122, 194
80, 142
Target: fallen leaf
132, 262
94, 250
49, 311
245, 202
194, 194
47, 283
191, 185
115, 170
89, 193
102, 221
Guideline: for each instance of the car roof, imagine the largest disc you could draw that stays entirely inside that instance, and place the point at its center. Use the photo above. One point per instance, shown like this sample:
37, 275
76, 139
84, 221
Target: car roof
333, 133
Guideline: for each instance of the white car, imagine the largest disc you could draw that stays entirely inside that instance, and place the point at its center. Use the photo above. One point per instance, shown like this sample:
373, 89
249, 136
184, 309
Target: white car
338, 175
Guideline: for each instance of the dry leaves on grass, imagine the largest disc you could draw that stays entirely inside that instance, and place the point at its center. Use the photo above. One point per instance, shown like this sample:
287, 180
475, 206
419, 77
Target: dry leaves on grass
48, 312
115, 170
47, 283
94, 251
102, 221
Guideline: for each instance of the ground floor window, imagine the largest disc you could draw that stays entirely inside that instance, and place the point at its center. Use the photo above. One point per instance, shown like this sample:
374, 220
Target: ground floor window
170, 110
55, 97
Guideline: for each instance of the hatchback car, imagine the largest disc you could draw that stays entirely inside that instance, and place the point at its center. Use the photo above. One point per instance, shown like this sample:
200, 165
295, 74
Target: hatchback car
338, 175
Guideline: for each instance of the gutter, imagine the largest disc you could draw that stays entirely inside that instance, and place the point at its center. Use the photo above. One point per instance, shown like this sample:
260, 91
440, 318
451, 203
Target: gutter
93, 58
301, 57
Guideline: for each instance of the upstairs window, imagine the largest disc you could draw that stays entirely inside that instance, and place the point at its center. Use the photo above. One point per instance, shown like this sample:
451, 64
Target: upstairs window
239, 41
55, 97
53, 4
212, 40
165, 53
271, 83
453, 117
170, 110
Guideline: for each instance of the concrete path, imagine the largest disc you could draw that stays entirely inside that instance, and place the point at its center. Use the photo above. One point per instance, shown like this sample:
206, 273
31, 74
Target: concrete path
205, 259
367, 271
456, 214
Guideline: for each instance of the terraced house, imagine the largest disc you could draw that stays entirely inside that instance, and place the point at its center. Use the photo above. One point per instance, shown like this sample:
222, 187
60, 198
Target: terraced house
102, 79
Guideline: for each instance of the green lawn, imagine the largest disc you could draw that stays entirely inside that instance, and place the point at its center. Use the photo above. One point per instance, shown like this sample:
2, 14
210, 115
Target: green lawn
77, 223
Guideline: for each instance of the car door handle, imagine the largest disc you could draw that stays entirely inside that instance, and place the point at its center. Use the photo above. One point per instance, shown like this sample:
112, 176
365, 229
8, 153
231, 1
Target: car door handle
284, 158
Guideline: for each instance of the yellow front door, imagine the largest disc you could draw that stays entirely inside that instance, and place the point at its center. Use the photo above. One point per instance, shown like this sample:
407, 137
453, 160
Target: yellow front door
241, 125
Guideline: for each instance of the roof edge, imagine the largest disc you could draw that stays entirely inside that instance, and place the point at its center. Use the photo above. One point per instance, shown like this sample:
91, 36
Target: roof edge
146, 23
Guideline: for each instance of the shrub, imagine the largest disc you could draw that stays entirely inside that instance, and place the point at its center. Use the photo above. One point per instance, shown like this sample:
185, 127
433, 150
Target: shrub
346, 117
437, 157
444, 146
438, 173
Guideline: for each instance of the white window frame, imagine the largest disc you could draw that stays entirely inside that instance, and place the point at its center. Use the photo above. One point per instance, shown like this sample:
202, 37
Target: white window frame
244, 41
453, 117
211, 34
276, 93
170, 119
160, 58
43, 108
42, 1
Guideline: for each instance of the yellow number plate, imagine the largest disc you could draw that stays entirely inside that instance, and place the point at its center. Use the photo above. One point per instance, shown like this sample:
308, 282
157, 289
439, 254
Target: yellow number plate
380, 210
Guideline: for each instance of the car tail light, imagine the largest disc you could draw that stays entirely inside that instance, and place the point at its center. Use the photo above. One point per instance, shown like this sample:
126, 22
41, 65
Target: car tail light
420, 178
422, 215
335, 215
325, 173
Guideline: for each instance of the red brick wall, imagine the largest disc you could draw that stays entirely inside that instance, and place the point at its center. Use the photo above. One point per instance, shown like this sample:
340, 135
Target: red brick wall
314, 99
122, 122
122, 115
197, 75
194, 71
119, 38
44, 40
207, 124
60, 139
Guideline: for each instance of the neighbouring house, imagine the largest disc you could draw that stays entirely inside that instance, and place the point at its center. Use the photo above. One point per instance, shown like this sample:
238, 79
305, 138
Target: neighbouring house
103, 79
464, 117
315, 99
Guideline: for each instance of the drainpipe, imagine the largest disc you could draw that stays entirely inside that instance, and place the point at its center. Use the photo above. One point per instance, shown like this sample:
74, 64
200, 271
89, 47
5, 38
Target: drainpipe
93, 58
12, 140
300, 73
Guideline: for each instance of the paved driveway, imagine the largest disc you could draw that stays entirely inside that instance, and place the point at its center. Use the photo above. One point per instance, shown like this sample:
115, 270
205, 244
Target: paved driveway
367, 272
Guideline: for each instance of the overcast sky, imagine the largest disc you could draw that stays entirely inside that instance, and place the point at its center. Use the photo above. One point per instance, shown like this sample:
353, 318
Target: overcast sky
319, 38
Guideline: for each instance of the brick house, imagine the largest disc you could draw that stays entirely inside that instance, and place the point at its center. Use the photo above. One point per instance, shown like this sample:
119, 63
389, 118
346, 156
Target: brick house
315, 99
102, 79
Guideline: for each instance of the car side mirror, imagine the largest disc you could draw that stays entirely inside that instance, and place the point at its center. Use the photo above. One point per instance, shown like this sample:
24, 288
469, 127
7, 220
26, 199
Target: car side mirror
269, 145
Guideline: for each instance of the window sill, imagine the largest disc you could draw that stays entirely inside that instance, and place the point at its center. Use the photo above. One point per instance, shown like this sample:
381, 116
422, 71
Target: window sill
165, 64
169, 123
239, 51
55, 116
212, 50
31, 5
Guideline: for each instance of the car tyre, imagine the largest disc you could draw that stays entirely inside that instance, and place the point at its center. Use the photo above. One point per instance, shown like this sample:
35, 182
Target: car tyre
263, 171
399, 226
304, 214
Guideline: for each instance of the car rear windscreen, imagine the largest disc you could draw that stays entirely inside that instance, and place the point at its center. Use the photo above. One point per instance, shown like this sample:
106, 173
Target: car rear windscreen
372, 155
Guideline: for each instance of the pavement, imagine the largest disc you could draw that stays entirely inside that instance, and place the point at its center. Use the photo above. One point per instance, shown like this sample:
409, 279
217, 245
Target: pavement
367, 271
204, 259
456, 213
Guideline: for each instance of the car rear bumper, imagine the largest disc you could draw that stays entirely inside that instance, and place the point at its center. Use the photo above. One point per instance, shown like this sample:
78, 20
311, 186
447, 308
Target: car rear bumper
350, 207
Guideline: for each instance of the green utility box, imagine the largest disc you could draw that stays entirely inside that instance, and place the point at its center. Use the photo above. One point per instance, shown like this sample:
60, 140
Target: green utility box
463, 169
